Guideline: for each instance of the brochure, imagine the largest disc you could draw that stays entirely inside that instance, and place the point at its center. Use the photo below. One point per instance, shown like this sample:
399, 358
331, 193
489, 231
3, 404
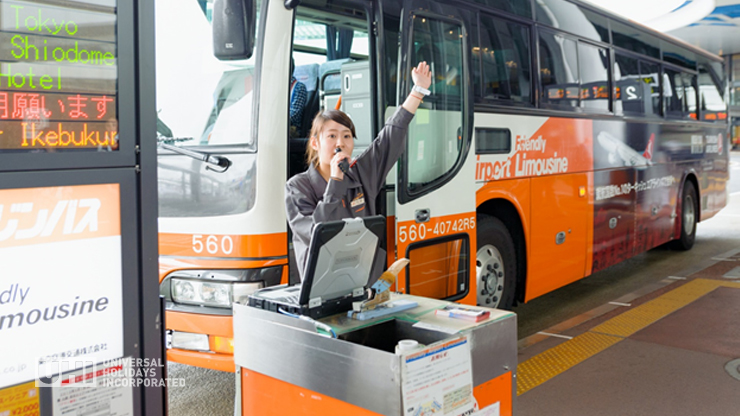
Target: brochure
463, 312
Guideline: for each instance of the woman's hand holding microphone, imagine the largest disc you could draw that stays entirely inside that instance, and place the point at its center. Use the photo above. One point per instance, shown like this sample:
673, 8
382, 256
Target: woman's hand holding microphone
339, 164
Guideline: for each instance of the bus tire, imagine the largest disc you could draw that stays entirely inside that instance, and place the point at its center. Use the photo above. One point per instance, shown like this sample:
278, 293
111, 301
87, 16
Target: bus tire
688, 218
495, 264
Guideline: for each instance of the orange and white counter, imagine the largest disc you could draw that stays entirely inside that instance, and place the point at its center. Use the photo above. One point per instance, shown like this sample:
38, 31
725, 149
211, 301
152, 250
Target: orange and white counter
460, 368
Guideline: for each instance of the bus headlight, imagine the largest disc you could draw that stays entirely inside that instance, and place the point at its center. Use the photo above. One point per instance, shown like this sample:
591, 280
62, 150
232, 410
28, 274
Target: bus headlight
193, 292
212, 292
217, 294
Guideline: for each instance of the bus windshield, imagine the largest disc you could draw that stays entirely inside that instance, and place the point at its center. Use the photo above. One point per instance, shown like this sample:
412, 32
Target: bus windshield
201, 101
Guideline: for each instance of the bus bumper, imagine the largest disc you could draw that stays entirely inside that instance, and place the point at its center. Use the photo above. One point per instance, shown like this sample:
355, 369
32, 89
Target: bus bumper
219, 332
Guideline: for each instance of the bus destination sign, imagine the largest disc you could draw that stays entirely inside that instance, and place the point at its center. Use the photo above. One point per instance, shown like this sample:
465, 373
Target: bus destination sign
58, 76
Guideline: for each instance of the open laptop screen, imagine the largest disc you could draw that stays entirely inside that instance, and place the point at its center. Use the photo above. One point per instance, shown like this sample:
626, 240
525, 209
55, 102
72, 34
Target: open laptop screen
341, 255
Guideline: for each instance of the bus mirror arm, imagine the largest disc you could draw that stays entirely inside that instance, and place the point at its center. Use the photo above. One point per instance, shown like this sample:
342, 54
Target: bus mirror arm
222, 163
215, 163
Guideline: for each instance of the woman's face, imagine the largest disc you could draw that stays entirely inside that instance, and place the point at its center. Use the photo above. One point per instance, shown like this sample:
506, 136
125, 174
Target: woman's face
333, 135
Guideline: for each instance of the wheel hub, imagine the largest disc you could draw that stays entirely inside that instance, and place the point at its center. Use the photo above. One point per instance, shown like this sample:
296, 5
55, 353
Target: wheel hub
489, 269
689, 215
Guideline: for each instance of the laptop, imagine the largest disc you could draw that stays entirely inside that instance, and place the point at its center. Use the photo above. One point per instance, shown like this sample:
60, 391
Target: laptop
340, 259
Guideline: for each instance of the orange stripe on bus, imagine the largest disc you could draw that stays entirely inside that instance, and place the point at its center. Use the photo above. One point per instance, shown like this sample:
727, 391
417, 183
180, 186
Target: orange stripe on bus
223, 245
33, 216
210, 360
221, 325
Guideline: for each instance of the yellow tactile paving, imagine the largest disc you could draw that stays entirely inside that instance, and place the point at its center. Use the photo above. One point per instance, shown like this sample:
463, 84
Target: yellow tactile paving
554, 361
640, 317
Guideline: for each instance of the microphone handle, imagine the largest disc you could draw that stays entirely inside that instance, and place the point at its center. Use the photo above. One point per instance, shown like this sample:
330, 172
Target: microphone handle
344, 166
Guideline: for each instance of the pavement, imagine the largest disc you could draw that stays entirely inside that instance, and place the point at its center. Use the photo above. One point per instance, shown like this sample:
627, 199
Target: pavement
675, 351
203, 392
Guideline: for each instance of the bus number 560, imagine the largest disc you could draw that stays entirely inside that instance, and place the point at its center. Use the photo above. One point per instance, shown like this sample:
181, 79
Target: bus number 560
211, 244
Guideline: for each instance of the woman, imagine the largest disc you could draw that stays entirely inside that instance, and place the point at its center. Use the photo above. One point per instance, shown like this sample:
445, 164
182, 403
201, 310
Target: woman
325, 192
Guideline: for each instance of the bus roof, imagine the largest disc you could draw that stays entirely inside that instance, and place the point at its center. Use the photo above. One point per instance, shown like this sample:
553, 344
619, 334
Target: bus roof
649, 30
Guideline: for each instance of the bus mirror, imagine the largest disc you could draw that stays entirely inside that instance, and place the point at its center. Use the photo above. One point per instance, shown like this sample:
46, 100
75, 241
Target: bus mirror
234, 28
292, 4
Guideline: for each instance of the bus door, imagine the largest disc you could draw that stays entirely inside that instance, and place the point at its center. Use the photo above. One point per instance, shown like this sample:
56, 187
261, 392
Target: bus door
435, 199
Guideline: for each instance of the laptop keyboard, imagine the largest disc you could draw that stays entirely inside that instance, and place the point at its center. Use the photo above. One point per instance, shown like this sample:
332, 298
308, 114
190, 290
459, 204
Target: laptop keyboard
292, 298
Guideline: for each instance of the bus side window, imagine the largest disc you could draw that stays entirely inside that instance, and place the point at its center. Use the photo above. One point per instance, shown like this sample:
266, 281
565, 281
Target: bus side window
593, 65
680, 95
558, 71
434, 133
713, 107
628, 94
438, 43
506, 60
650, 75
638, 86
689, 83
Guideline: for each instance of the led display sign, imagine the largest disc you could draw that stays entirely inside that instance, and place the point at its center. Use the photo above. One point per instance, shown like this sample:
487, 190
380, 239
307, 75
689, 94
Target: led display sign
58, 76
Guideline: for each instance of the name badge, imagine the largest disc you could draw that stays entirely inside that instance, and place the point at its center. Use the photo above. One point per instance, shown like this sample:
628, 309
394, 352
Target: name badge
357, 201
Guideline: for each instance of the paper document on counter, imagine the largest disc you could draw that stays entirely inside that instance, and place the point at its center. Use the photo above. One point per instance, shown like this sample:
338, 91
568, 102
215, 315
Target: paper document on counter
432, 321
463, 312
438, 380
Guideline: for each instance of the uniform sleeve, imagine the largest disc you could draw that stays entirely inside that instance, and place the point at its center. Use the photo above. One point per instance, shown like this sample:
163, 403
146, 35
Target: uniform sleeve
304, 212
374, 164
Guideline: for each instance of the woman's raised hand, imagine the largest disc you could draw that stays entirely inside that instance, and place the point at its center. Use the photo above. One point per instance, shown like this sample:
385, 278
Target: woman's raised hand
422, 75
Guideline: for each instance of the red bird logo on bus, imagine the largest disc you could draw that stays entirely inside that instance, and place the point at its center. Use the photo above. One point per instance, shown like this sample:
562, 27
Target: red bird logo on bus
648, 154
619, 152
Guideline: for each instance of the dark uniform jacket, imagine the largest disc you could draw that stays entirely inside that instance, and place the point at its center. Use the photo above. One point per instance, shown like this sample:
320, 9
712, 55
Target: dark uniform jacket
309, 201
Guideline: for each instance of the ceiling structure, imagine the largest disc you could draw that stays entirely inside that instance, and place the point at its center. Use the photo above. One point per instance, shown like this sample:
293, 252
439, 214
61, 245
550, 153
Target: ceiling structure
713, 25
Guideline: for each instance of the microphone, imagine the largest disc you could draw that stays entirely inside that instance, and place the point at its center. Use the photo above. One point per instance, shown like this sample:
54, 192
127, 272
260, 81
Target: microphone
343, 165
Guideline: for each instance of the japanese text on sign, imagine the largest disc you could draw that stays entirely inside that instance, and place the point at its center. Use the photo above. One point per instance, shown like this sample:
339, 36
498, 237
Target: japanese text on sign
58, 76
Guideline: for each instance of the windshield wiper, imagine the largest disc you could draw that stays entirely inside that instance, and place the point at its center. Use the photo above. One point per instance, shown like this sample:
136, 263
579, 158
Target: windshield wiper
215, 163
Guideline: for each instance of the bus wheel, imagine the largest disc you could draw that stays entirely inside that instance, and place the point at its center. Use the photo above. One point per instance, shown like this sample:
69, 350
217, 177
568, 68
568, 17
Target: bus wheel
495, 264
688, 217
